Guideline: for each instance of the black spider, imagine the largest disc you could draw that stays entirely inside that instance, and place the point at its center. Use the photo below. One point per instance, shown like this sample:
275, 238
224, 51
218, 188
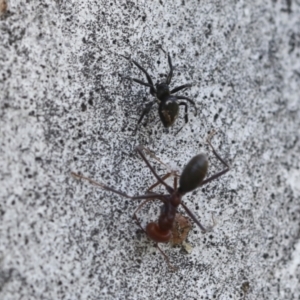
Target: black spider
168, 103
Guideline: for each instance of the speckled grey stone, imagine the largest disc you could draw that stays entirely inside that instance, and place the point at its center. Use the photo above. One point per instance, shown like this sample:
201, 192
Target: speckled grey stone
65, 106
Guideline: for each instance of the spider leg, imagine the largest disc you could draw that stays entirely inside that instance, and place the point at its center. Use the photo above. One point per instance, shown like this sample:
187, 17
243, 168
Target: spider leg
170, 75
181, 87
140, 82
169, 78
186, 119
185, 111
145, 112
150, 82
188, 99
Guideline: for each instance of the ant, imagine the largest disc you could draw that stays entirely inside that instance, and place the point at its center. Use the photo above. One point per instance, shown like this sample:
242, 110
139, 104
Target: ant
168, 103
181, 224
191, 178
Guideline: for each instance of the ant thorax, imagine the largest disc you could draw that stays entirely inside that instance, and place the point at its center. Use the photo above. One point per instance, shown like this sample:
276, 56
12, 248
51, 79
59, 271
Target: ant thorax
175, 199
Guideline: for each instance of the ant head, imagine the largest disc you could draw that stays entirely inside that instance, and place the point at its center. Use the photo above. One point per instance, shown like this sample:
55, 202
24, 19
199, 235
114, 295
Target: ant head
193, 174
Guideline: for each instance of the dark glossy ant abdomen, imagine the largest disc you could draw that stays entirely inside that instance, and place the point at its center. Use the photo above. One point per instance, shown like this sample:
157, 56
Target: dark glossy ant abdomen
168, 111
156, 234
193, 174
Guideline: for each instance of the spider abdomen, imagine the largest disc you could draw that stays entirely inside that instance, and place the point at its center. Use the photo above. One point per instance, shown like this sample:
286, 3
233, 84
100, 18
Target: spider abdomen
168, 111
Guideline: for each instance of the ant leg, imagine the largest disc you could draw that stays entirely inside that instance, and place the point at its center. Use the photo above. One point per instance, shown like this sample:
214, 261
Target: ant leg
164, 178
110, 189
135, 213
210, 228
188, 99
173, 172
139, 149
157, 183
139, 224
149, 197
166, 258
181, 87
169, 78
193, 217
213, 177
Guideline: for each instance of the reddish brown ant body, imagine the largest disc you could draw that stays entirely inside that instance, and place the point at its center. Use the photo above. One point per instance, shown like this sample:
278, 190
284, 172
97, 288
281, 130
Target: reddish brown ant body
191, 178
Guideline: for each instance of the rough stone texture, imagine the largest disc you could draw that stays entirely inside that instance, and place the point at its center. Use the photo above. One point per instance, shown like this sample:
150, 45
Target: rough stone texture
66, 106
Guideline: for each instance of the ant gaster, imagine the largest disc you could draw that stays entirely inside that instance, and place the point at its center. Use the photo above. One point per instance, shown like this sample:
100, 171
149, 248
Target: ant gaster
168, 103
191, 178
